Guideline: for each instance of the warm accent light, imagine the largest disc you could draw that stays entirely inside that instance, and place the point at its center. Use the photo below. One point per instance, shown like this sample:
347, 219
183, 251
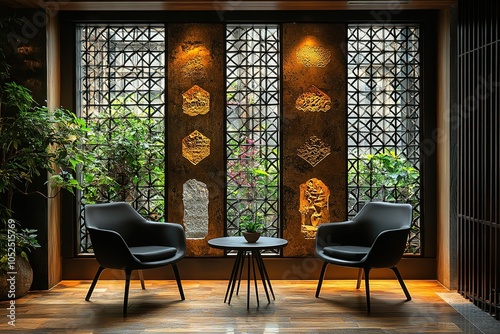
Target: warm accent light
195, 101
314, 56
314, 151
195, 147
313, 100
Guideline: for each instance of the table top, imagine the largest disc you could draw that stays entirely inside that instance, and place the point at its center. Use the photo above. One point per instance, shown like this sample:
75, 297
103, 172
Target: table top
239, 243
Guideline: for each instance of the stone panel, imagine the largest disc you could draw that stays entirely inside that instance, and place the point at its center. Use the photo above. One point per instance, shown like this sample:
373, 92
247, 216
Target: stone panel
299, 126
195, 200
196, 57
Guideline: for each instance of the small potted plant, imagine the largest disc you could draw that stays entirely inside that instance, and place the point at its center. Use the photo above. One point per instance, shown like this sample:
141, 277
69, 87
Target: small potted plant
15, 244
251, 230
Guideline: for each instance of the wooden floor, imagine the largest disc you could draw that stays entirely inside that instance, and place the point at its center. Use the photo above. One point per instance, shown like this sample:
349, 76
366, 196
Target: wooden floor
158, 309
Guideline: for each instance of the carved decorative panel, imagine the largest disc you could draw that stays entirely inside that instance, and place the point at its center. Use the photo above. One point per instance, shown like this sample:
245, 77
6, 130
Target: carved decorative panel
305, 156
195, 56
314, 100
314, 151
195, 199
314, 56
195, 147
314, 197
195, 101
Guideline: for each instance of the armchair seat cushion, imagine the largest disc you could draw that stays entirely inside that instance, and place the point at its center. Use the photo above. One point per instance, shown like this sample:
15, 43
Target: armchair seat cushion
153, 253
346, 252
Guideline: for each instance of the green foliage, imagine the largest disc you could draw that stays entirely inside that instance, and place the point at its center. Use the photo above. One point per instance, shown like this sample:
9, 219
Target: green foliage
252, 184
389, 176
125, 153
35, 140
22, 239
251, 226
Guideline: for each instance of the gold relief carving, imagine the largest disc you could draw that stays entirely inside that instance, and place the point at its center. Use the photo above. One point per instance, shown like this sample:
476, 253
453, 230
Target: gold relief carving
195, 147
313, 100
314, 210
313, 56
314, 151
195, 101
195, 69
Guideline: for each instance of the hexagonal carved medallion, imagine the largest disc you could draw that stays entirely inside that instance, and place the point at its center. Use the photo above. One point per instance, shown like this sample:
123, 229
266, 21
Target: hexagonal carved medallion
195, 101
195, 147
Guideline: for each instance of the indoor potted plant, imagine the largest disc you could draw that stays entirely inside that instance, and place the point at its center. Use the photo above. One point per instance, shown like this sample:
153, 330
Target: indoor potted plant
251, 230
15, 244
33, 141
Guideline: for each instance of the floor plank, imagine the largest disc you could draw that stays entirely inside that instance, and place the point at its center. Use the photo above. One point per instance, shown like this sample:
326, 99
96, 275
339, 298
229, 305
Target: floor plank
158, 309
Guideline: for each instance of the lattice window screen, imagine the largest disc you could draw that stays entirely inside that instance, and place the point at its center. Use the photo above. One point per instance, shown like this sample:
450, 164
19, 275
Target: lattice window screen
121, 96
384, 119
252, 126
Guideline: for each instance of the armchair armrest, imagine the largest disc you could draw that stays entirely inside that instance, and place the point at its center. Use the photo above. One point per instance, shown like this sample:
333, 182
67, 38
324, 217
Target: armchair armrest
110, 250
388, 248
161, 234
330, 234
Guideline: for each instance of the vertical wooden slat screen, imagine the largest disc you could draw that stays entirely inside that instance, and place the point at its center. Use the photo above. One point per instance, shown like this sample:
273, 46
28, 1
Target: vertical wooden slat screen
478, 154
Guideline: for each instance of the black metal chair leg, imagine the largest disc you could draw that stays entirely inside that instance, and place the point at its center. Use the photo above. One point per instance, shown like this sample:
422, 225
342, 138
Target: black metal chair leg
178, 279
367, 288
320, 281
402, 283
128, 273
94, 282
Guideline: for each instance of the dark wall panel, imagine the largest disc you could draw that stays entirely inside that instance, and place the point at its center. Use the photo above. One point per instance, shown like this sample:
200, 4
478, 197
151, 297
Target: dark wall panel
478, 154
301, 120
196, 57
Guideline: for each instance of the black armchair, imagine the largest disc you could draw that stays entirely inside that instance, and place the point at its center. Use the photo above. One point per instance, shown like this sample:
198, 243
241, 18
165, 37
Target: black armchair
123, 239
375, 238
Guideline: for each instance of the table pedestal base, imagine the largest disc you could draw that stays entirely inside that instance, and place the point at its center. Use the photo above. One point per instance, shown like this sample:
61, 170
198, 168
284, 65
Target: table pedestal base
254, 258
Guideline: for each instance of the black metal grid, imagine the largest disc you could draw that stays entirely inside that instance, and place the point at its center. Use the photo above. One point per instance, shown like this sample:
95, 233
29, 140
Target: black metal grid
252, 126
121, 77
384, 119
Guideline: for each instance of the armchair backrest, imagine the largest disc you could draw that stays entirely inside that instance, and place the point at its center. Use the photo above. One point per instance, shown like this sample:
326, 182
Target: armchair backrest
376, 217
118, 216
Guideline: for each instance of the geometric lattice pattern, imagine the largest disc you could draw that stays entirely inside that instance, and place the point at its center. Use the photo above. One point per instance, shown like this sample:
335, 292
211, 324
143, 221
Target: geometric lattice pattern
384, 90
121, 97
252, 140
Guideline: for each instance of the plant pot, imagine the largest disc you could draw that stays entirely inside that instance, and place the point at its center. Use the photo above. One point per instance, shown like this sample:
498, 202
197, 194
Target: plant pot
251, 237
16, 285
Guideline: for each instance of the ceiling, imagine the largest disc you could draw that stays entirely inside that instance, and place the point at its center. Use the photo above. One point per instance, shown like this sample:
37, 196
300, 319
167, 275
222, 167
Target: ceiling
390, 5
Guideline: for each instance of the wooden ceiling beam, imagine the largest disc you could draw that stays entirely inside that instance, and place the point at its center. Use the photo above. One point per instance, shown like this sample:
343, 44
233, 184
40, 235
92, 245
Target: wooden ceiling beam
135, 5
